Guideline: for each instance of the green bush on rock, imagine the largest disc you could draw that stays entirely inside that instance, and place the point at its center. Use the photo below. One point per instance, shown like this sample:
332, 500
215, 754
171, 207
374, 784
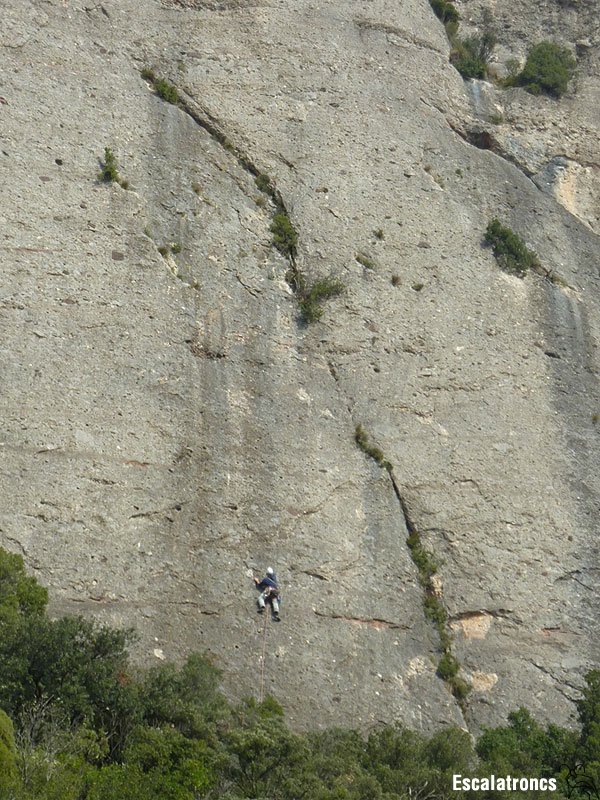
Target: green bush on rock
509, 249
548, 70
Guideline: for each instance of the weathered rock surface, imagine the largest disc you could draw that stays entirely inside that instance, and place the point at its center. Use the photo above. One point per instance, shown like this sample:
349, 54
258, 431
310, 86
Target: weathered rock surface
171, 425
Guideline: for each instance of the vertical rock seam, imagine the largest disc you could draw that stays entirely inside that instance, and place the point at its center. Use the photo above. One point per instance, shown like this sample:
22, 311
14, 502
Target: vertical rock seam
433, 605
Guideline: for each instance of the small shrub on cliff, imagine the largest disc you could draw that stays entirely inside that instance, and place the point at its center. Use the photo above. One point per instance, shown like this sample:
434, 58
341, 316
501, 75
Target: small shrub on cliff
470, 56
548, 70
163, 88
313, 298
509, 249
447, 667
166, 91
109, 171
285, 236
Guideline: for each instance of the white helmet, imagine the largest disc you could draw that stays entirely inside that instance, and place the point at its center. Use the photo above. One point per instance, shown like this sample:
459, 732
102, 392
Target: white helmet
270, 571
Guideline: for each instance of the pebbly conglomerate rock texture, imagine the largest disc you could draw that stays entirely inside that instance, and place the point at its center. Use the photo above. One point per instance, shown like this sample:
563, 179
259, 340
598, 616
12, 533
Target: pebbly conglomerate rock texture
171, 424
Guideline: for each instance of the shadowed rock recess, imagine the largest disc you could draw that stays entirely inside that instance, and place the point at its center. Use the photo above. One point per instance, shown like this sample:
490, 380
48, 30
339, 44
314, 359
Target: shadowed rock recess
171, 421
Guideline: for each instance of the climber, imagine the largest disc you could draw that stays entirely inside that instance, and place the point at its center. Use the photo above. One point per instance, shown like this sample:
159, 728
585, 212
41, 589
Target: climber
269, 593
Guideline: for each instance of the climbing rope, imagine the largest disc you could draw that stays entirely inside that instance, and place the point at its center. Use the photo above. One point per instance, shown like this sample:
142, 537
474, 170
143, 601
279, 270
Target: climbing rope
261, 695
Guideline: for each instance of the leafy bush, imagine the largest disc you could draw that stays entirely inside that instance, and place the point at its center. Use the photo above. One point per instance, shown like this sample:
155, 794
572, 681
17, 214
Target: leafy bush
20, 595
311, 301
285, 236
163, 88
470, 55
447, 667
8, 761
182, 741
166, 91
109, 170
509, 249
548, 70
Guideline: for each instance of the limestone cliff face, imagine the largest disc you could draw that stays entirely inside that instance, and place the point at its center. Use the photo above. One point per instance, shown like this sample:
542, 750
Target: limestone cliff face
170, 424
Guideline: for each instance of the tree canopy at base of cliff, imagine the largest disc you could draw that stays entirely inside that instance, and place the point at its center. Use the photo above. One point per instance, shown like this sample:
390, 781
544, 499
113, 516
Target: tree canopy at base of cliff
80, 722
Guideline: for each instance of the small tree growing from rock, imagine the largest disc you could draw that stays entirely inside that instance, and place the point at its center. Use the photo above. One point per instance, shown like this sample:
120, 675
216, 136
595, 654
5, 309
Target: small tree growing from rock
548, 70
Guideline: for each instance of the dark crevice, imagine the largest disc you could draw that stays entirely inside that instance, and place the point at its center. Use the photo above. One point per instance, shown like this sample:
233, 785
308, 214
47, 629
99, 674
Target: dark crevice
484, 140
314, 575
375, 622
497, 613
207, 122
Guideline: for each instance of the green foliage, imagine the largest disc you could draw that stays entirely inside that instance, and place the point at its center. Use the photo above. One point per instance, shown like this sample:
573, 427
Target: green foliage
509, 249
548, 70
20, 595
109, 172
163, 88
523, 747
178, 739
422, 558
264, 183
588, 708
447, 667
470, 55
8, 760
79, 665
445, 11
285, 236
311, 300
362, 440
435, 611
166, 91
188, 698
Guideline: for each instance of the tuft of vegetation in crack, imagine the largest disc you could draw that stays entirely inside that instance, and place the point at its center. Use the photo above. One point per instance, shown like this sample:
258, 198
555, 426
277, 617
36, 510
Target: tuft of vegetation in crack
165, 90
548, 69
109, 170
510, 251
285, 239
311, 299
264, 183
433, 607
470, 55
435, 611
365, 260
285, 236
362, 440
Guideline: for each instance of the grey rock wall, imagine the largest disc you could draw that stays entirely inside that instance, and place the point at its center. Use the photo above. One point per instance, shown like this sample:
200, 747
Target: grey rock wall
171, 425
